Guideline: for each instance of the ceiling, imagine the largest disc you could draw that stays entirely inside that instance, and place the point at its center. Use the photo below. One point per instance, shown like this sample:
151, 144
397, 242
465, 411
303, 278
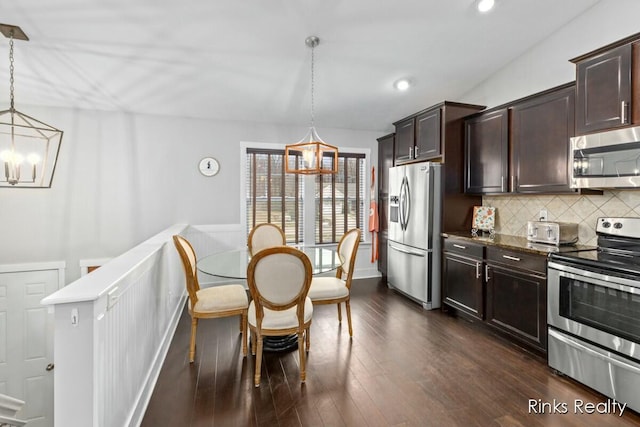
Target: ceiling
246, 60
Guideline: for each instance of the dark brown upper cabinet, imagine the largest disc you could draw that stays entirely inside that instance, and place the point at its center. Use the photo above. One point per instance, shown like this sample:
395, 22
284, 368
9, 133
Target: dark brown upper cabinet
539, 134
523, 146
487, 152
419, 137
608, 86
405, 141
604, 90
428, 141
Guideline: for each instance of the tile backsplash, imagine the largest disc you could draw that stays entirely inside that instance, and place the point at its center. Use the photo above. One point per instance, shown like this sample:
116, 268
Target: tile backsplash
513, 212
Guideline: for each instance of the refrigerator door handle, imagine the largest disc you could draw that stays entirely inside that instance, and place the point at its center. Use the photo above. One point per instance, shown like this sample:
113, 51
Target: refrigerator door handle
401, 204
405, 202
405, 251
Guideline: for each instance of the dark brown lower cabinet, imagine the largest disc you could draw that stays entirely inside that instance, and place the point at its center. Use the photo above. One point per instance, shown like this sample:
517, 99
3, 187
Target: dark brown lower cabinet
516, 303
463, 287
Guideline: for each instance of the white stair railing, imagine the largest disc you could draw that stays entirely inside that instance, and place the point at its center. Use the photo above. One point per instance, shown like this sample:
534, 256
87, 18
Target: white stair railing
9, 407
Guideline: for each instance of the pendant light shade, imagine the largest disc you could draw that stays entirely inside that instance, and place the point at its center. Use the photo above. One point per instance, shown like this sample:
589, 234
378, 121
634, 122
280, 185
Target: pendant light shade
311, 155
28, 147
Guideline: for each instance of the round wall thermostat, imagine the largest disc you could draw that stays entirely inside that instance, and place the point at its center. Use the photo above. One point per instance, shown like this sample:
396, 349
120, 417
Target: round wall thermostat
209, 166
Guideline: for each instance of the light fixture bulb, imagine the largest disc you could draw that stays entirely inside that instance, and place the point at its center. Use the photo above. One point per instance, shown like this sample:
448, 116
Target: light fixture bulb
18, 158
402, 84
33, 158
485, 5
6, 156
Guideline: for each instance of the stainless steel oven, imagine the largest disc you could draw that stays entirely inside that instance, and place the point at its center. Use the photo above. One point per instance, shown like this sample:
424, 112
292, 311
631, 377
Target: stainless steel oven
593, 313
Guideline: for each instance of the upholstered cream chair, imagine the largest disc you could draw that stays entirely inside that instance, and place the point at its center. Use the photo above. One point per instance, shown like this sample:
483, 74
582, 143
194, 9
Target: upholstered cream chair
265, 235
207, 303
279, 279
335, 290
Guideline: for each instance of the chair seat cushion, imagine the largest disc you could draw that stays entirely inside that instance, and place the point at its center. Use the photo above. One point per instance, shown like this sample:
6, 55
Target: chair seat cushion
327, 288
221, 298
285, 319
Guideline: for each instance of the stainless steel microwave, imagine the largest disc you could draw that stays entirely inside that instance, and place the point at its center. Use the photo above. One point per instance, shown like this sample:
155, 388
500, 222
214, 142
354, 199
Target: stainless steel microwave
608, 159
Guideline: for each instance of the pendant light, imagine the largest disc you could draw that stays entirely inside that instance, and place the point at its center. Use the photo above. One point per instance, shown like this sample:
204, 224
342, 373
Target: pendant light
23, 138
311, 155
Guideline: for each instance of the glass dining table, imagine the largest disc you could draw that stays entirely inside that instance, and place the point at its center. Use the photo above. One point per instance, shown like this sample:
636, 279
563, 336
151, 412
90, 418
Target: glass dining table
233, 265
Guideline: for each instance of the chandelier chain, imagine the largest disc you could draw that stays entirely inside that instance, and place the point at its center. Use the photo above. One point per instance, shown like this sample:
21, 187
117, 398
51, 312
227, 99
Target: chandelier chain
11, 69
312, 85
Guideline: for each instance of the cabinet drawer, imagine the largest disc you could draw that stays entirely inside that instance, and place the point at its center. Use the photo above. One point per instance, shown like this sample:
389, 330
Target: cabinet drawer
464, 247
517, 259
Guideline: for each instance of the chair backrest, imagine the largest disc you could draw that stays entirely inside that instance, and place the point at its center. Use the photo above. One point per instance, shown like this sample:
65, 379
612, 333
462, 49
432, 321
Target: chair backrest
188, 257
265, 235
348, 249
278, 279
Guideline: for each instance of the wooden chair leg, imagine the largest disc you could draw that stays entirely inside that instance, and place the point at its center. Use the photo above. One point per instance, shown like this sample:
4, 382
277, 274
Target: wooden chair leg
347, 304
256, 378
243, 332
339, 313
301, 352
192, 341
252, 342
308, 338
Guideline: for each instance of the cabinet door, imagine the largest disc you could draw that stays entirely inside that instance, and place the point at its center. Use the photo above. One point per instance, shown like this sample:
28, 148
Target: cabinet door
405, 140
385, 161
428, 135
486, 153
540, 132
517, 304
463, 284
604, 91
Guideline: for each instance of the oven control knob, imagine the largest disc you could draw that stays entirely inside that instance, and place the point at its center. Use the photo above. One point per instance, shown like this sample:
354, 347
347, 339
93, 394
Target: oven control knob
617, 225
606, 224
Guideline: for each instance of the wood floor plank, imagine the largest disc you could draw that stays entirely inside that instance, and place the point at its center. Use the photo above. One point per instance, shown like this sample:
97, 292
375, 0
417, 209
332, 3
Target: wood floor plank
404, 366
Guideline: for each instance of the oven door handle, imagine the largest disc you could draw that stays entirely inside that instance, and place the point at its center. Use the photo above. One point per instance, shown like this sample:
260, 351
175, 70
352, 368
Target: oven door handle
605, 280
578, 346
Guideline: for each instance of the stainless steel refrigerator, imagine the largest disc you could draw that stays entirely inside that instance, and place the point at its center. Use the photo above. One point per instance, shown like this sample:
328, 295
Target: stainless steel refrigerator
415, 199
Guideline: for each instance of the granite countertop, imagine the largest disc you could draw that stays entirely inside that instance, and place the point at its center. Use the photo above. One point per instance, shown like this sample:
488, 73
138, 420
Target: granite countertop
516, 243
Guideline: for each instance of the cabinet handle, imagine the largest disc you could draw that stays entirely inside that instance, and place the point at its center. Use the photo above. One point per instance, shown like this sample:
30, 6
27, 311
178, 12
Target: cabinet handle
415, 151
459, 246
512, 258
486, 273
478, 274
623, 112
514, 183
502, 183
411, 152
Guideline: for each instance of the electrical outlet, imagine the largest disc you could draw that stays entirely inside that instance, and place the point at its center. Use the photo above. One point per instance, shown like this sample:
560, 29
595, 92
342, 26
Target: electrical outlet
542, 216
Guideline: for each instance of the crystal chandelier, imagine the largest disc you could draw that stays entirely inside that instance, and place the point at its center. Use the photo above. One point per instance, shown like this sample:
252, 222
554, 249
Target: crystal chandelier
311, 154
23, 138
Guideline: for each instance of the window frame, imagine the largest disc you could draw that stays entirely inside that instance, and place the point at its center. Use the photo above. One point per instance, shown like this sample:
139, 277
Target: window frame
308, 238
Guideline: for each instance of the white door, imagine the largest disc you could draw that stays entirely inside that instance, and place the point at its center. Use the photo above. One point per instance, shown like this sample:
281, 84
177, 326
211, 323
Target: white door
26, 343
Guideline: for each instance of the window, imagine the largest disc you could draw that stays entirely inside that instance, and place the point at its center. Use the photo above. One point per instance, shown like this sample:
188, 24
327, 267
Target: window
272, 195
339, 198
335, 203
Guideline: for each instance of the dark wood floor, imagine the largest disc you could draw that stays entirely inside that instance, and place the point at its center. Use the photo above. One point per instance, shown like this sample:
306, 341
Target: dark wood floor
404, 366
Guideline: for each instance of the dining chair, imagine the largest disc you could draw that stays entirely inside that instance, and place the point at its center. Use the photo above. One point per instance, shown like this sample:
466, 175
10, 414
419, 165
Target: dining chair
279, 280
265, 235
336, 290
213, 302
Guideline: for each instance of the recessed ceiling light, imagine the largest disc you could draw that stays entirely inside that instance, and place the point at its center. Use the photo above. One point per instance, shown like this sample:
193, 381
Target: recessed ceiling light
485, 5
402, 84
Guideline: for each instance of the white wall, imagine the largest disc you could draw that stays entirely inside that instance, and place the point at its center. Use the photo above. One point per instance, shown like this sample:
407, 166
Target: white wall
547, 64
122, 178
